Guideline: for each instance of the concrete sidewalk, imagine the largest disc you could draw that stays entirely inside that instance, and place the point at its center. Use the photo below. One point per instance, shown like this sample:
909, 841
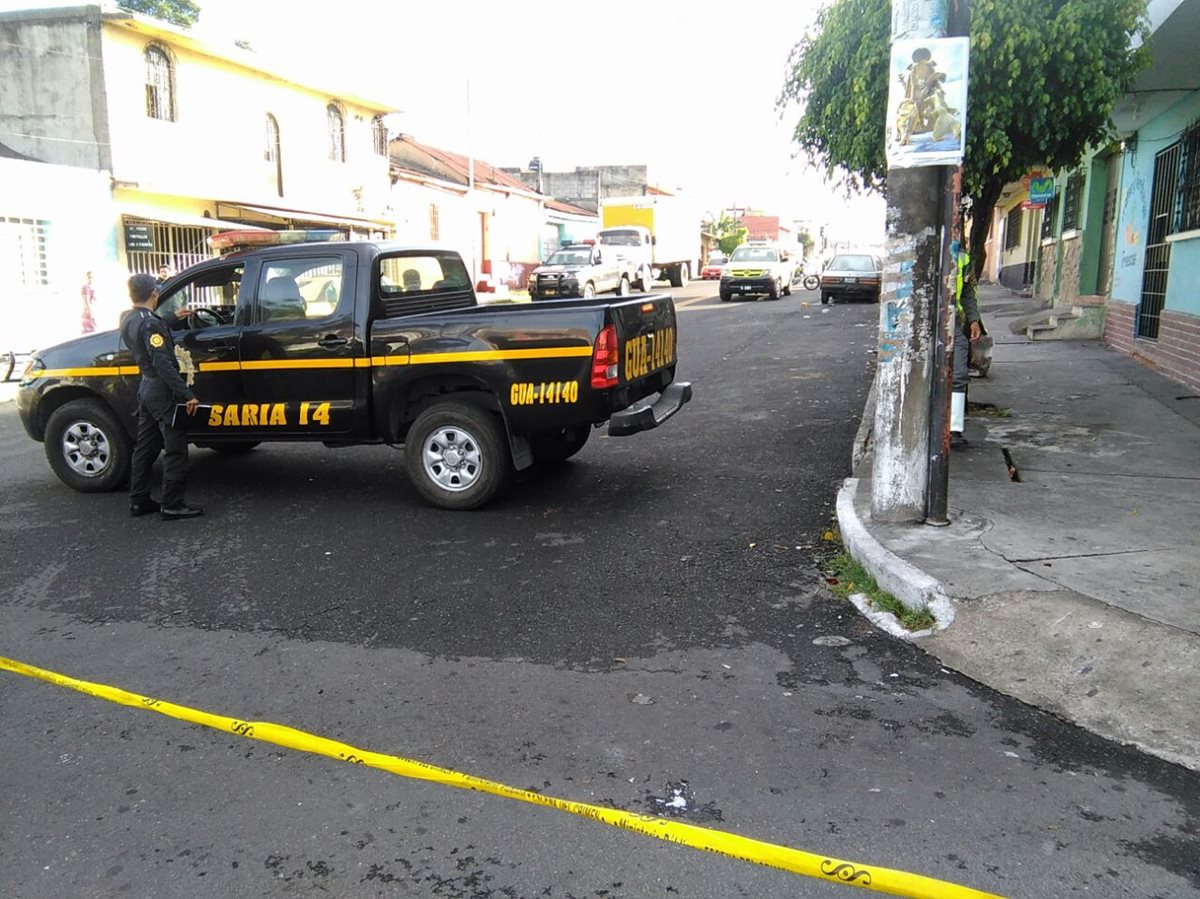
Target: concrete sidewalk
1077, 587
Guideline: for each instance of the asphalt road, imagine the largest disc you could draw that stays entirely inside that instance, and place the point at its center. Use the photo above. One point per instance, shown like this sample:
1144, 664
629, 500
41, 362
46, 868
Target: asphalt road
634, 629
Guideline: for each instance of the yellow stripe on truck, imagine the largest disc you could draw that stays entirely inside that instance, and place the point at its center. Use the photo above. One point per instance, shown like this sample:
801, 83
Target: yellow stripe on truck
112, 371
821, 867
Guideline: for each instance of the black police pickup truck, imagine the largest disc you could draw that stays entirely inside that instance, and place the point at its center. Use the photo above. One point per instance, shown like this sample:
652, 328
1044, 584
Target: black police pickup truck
581, 270
366, 342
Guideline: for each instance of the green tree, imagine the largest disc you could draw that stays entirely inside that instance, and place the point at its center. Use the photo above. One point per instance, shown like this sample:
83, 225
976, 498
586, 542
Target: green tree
730, 231
806, 241
1044, 76
183, 13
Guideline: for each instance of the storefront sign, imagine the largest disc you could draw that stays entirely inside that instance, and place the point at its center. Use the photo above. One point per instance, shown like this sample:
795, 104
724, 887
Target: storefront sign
1041, 189
139, 238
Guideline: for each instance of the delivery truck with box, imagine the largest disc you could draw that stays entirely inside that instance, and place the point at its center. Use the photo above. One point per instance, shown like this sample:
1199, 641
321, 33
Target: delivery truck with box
658, 234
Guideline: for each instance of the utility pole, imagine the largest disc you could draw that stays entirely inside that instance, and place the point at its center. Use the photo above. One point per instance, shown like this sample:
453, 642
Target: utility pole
907, 312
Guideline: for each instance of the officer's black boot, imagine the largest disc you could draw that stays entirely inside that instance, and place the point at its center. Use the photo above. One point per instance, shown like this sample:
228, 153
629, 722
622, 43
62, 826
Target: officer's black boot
142, 505
173, 506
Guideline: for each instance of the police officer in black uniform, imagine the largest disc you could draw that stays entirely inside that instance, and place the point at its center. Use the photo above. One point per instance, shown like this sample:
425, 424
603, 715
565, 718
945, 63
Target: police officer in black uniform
161, 389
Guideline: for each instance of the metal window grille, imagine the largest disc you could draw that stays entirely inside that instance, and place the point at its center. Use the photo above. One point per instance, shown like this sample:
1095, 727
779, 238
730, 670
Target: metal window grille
160, 85
271, 146
175, 245
23, 252
1189, 188
1012, 228
1048, 217
435, 227
1158, 251
379, 136
1071, 202
337, 133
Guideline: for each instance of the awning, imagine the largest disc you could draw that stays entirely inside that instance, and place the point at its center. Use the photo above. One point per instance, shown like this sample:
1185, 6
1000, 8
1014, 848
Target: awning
299, 215
177, 217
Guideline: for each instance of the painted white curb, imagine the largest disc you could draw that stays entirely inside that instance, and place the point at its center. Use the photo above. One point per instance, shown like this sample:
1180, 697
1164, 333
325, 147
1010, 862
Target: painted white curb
910, 585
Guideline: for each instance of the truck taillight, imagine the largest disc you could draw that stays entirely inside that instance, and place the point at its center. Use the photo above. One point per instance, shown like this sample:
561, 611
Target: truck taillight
605, 359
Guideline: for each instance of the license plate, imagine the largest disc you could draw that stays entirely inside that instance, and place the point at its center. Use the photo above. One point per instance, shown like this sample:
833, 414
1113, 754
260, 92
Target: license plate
550, 291
852, 280
746, 288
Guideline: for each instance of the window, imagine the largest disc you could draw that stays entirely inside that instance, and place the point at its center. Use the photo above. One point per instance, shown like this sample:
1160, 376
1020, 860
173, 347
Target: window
1071, 202
1189, 186
336, 124
271, 152
160, 84
435, 228
23, 252
214, 290
300, 289
379, 137
178, 246
1048, 217
271, 145
423, 282
1012, 228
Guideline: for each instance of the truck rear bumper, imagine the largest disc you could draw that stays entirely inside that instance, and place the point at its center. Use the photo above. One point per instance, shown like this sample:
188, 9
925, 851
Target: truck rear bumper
644, 414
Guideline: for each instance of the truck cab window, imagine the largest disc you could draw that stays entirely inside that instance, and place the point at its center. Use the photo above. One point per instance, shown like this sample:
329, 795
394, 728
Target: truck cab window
300, 289
205, 299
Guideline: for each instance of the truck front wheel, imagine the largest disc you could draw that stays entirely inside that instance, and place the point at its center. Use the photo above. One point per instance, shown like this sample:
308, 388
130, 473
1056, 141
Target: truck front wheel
87, 447
623, 288
647, 280
457, 455
589, 291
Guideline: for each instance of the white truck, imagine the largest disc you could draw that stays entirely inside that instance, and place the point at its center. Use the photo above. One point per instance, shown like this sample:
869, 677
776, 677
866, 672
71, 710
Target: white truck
658, 234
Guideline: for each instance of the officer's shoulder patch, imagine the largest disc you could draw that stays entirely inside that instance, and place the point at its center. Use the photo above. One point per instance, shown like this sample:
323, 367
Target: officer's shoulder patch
156, 340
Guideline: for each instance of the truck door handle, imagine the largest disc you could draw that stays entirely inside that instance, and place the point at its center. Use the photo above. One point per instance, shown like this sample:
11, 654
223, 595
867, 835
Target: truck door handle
330, 341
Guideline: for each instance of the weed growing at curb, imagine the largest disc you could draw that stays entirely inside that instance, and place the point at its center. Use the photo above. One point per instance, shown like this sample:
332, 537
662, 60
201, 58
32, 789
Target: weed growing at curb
989, 410
846, 576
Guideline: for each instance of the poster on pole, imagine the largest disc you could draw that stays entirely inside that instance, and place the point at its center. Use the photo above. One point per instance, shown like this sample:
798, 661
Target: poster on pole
927, 102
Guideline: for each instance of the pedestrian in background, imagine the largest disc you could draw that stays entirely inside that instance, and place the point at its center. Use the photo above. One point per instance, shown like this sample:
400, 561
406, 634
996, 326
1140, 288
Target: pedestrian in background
161, 390
165, 273
87, 319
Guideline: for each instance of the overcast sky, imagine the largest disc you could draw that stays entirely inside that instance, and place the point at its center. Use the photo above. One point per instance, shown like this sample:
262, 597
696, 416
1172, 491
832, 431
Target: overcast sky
687, 88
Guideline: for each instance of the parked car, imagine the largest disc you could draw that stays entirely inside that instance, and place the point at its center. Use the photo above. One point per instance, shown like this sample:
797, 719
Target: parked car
713, 268
850, 276
763, 270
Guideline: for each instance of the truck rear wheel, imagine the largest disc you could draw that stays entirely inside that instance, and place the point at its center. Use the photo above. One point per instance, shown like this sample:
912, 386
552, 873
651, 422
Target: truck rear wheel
680, 275
553, 447
457, 455
87, 447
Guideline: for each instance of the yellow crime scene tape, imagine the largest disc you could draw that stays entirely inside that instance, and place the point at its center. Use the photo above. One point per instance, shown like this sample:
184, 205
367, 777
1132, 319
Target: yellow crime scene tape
821, 867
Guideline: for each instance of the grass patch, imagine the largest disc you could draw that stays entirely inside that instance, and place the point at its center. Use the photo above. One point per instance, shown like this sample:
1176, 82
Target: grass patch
990, 410
845, 576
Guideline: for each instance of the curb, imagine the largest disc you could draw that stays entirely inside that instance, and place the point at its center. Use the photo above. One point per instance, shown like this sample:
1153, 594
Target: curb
913, 587
864, 440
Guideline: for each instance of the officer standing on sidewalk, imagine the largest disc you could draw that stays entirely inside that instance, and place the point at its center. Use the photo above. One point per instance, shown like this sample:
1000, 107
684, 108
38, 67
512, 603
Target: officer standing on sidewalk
161, 388
967, 328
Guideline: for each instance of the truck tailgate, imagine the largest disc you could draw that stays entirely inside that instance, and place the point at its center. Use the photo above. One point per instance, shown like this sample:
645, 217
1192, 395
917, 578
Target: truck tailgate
645, 336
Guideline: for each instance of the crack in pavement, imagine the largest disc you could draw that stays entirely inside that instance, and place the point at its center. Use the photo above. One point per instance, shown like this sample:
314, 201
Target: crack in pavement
1123, 552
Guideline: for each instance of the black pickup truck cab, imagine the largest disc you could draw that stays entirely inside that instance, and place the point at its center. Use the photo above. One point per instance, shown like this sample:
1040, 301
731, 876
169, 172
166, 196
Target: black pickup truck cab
366, 342
580, 270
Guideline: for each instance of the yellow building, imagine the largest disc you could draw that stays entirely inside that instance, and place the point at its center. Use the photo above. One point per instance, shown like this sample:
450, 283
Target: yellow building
197, 137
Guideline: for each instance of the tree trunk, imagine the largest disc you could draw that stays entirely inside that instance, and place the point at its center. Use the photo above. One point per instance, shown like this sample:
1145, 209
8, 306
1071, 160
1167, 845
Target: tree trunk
982, 212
